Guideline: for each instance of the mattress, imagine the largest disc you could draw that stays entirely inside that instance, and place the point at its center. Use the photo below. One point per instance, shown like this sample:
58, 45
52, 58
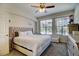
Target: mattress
33, 42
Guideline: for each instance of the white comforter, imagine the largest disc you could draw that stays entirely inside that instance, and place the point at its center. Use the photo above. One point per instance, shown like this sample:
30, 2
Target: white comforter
33, 42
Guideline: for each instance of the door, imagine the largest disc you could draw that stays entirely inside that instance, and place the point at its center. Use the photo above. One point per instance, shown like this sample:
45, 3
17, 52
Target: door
4, 37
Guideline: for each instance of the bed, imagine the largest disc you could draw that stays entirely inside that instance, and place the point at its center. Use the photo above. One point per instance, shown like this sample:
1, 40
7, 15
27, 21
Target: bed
31, 45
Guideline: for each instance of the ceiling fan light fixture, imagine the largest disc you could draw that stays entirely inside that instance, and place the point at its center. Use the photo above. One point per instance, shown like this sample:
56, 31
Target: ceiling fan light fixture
41, 9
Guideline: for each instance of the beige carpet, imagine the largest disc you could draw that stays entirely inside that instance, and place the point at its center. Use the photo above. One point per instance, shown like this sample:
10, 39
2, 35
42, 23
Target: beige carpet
55, 49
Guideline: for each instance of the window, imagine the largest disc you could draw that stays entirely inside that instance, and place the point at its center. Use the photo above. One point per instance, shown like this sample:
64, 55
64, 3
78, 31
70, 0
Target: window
62, 25
46, 27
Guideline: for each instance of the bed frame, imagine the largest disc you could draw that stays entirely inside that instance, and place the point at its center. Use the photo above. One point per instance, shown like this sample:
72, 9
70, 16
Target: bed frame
13, 33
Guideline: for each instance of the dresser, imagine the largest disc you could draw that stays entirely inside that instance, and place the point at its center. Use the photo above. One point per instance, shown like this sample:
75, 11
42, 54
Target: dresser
73, 27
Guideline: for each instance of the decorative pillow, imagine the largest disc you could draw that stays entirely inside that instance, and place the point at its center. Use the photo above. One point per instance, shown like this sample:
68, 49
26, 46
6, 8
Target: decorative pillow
16, 34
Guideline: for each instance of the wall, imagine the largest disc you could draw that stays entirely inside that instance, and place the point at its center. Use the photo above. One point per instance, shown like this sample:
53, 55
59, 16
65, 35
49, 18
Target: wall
20, 21
38, 27
55, 15
19, 16
20, 9
76, 15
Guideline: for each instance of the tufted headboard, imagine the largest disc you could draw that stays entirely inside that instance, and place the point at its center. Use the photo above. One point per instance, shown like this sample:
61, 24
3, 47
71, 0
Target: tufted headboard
13, 31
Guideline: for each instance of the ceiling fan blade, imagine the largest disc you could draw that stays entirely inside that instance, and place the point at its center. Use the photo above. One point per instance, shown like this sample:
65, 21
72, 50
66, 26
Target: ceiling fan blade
50, 6
35, 6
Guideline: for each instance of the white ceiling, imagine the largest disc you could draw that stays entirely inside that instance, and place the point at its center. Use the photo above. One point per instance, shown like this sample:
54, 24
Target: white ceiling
59, 7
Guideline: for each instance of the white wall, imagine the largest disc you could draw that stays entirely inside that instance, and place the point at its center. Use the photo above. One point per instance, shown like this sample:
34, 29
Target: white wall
20, 21
20, 9
56, 15
76, 15
20, 17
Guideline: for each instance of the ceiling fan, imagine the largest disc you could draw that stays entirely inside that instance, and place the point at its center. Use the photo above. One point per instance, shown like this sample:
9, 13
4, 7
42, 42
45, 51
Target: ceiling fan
42, 7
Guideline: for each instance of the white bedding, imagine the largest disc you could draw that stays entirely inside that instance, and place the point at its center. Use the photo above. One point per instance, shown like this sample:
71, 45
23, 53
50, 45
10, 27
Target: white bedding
33, 42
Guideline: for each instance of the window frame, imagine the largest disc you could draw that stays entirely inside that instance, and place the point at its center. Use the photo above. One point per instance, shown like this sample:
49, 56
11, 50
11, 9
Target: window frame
63, 26
45, 27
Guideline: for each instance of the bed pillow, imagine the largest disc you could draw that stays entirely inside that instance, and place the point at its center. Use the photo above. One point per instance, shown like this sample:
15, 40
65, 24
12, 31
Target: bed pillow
22, 33
29, 33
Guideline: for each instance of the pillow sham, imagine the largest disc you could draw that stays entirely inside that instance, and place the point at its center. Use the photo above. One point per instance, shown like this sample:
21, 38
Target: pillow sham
25, 33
